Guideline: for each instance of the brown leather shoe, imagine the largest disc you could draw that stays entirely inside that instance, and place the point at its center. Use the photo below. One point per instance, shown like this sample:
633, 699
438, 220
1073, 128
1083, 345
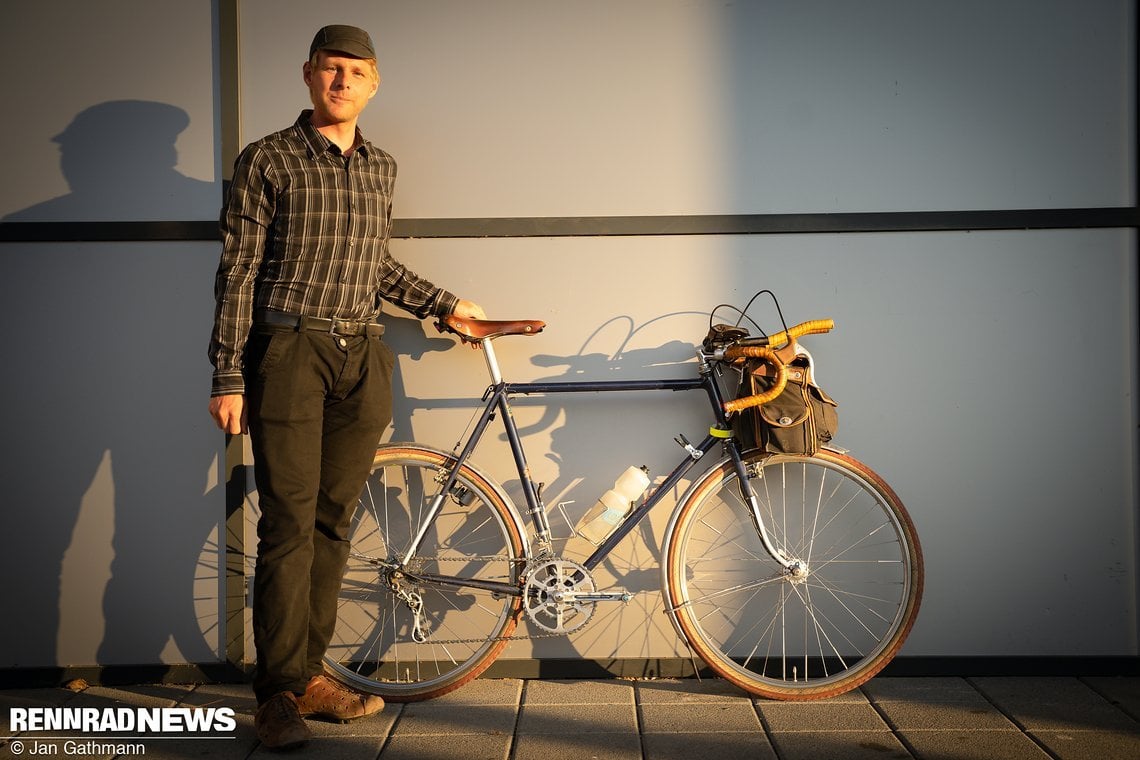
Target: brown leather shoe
279, 723
326, 699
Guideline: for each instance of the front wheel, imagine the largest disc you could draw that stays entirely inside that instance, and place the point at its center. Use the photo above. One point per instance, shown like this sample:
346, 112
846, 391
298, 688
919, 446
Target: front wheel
407, 639
826, 624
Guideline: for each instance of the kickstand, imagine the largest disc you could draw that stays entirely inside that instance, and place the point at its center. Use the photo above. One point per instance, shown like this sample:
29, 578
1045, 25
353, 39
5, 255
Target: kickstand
693, 659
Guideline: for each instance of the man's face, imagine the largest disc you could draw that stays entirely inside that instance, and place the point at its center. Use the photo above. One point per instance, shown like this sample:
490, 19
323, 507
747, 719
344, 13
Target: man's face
339, 86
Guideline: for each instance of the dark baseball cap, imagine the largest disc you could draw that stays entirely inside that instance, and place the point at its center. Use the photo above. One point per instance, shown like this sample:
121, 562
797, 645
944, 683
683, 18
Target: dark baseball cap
344, 39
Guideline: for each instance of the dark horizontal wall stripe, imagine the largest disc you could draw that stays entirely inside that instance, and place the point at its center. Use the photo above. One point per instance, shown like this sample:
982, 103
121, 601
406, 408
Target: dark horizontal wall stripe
97, 232
767, 224
604, 226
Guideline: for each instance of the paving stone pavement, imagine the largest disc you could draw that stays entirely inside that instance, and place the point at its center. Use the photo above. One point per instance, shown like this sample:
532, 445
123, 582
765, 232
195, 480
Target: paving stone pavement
683, 719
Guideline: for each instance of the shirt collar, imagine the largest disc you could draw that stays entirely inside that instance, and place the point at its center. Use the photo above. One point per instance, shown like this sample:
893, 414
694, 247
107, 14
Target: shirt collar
318, 144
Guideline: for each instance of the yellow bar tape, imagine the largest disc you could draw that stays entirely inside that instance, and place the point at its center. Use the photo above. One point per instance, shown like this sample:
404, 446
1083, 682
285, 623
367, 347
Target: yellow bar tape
719, 432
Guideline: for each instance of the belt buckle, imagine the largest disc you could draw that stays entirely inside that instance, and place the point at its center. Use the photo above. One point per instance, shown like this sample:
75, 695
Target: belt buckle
346, 327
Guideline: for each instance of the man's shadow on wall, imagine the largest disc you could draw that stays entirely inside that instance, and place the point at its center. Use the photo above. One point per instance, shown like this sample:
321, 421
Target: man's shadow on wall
118, 159
411, 340
109, 377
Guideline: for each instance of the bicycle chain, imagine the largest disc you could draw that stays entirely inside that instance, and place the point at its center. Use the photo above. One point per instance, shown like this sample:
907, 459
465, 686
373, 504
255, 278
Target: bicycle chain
429, 640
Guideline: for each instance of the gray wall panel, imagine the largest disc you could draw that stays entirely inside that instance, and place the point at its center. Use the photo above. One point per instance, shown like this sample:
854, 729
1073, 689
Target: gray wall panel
508, 108
112, 111
990, 377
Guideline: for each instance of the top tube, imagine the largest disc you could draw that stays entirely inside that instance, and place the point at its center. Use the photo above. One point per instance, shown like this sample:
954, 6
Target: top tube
602, 386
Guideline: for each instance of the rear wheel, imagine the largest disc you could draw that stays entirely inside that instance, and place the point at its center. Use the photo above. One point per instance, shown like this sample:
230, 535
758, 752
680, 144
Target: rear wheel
407, 640
831, 621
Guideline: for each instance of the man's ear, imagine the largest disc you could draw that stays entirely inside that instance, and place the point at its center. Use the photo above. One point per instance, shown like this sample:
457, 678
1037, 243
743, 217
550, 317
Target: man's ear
307, 73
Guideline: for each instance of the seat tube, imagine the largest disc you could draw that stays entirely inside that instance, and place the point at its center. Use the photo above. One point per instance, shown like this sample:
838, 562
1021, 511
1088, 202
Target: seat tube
534, 502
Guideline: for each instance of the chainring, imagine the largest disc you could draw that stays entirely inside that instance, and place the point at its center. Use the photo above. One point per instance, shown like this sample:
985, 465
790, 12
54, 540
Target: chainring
548, 595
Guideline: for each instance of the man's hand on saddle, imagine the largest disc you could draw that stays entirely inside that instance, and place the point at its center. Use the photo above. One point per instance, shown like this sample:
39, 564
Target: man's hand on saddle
469, 310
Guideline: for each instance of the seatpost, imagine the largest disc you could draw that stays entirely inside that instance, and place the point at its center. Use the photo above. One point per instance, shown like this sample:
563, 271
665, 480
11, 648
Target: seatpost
492, 361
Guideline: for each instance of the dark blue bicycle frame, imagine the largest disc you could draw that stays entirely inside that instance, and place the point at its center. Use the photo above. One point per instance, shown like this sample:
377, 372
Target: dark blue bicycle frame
497, 399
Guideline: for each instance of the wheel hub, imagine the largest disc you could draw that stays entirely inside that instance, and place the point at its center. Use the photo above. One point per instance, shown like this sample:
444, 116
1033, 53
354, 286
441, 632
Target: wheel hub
797, 571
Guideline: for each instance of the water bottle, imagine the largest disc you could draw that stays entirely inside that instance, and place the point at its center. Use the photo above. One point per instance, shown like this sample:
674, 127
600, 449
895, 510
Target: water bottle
599, 522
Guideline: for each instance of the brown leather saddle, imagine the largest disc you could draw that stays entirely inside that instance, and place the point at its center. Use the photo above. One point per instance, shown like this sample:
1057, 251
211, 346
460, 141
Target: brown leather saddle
475, 330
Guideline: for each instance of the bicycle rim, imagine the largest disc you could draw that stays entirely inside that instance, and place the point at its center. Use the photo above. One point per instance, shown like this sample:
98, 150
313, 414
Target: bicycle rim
814, 633
462, 629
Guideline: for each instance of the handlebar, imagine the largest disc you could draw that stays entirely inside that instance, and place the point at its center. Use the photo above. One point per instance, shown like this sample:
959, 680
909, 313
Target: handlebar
772, 359
811, 327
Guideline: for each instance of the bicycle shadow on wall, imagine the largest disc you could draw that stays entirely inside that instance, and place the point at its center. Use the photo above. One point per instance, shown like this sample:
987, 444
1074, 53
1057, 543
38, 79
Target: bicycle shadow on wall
593, 438
578, 443
107, 500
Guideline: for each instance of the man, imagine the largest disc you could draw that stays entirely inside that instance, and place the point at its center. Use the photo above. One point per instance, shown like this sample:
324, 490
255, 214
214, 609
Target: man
297, 354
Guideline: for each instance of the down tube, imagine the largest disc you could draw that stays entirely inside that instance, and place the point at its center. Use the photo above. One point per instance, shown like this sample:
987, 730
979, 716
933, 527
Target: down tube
654, 499
707, 382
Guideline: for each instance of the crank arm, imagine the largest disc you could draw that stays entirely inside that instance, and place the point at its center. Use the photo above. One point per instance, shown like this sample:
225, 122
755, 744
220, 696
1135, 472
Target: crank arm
619, 596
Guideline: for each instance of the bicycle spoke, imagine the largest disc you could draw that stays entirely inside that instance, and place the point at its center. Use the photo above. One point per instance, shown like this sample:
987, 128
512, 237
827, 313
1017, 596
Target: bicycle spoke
708, 597
406, 638
840, 609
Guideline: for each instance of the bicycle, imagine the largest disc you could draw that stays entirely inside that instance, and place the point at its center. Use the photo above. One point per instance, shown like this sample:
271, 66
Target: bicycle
791, 576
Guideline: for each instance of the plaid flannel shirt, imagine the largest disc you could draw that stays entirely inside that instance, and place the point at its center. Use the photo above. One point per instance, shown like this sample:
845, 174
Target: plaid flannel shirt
305, 231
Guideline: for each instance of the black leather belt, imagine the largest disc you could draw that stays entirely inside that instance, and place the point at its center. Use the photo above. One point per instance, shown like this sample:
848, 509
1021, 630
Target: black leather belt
342, 327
